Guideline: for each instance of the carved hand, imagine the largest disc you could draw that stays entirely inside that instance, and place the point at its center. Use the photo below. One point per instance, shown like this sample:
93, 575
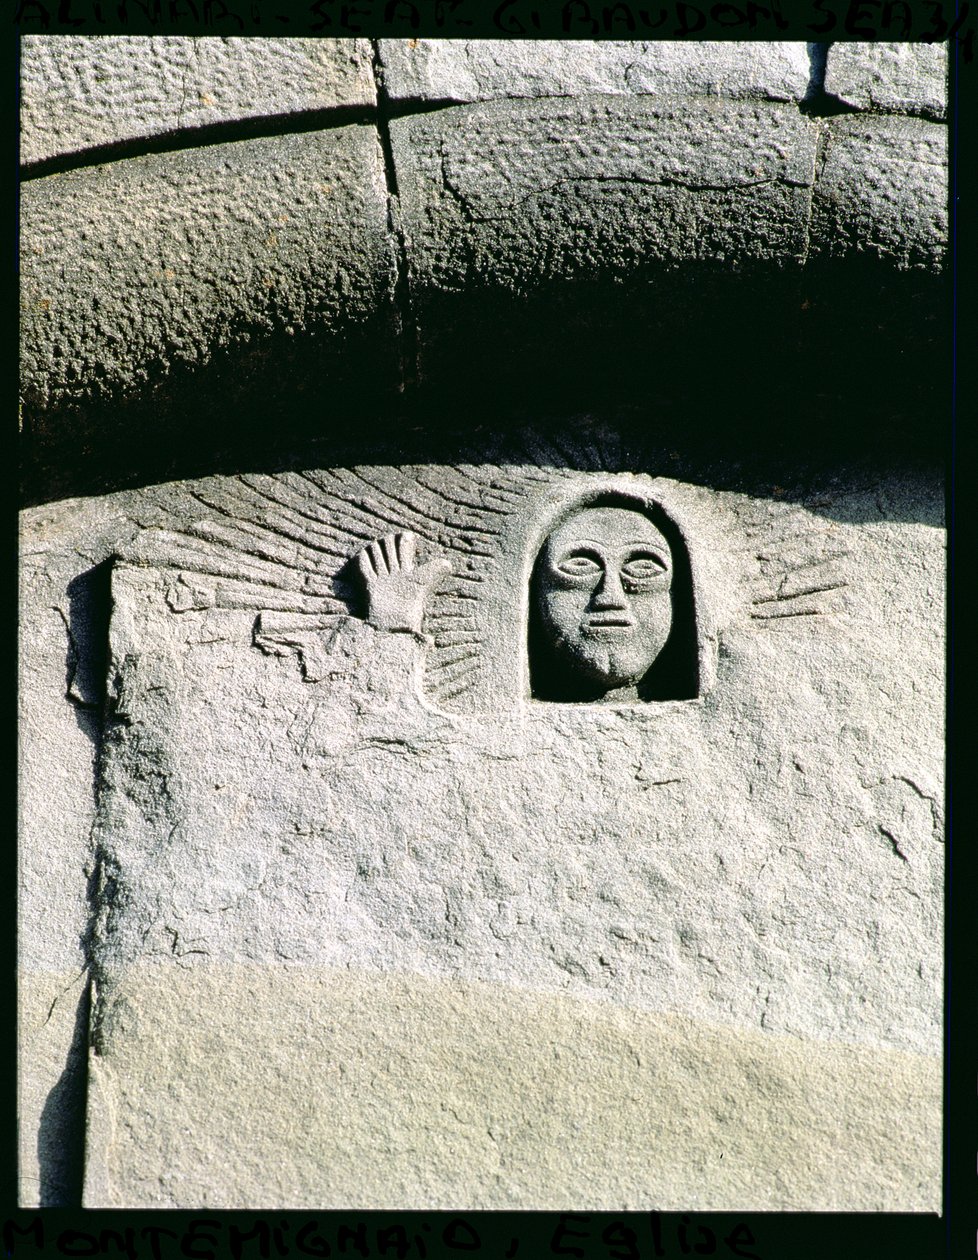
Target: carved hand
396, 589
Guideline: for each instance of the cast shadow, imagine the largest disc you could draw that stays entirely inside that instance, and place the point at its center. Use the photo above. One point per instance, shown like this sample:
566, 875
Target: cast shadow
61, 1130
89, 608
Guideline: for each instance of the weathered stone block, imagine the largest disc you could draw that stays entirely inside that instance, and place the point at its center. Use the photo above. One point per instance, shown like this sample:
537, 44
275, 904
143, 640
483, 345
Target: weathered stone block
529, 191
299, 792
133, 268
882, 192
63, 624
894, 78
79, 91
464, 70
611, 210
230, 1086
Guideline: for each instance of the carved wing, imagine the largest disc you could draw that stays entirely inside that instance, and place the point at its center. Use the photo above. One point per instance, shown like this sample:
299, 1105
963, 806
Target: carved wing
795, 561
281, 544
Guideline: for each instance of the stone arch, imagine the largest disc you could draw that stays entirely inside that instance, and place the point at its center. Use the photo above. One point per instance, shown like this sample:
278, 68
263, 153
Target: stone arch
292, 277
171, 287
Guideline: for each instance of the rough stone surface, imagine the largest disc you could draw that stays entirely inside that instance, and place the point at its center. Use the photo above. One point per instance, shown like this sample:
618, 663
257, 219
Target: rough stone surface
62, 642
419, 838
787, 802
511, 210
52, 1038
80, 92
882, 192
338, 812
524, 191
132, 268
754, 874
892, 78
170, 263
231, 1086
464, 70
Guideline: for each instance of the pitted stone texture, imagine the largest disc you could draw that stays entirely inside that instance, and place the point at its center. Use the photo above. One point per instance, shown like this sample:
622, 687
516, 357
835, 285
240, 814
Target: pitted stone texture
530, 191
464, 70
892, 78
882, 192
63, 625
79, 92
52, 1040
132, 268
765, 860
299, 1087
769, 854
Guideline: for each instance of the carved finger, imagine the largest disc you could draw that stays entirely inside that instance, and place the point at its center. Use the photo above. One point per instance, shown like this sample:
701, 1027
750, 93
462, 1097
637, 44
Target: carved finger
434, 569
389, 552
378, 558
365, 564
406, 544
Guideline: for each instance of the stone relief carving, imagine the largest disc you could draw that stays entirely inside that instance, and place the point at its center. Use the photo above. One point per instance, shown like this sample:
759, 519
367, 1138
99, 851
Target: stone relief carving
600, 607
610, 616
396, 588
473, 559
602, 600
356, 725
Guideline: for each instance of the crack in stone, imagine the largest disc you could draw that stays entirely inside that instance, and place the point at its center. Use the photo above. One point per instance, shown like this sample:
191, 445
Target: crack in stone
935, 809
818, 61
473, 218
68, 987
406, 331
459, 197
816, 102
184, 79
893, 843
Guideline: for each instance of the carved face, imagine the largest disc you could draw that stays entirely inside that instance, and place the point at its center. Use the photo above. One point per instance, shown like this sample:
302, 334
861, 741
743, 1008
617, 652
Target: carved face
603, 594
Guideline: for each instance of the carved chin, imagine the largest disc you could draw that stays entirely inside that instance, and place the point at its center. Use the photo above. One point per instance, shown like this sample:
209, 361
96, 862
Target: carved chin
607, 665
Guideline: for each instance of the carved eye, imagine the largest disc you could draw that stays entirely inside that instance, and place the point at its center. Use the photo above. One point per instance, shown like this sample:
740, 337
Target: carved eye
642, 568
579, 566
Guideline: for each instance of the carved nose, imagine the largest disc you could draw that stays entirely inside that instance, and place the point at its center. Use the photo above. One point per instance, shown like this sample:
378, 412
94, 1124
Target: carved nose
610, 593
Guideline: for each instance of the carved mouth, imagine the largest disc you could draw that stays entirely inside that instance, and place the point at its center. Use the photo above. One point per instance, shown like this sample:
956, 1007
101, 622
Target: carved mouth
609, 624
